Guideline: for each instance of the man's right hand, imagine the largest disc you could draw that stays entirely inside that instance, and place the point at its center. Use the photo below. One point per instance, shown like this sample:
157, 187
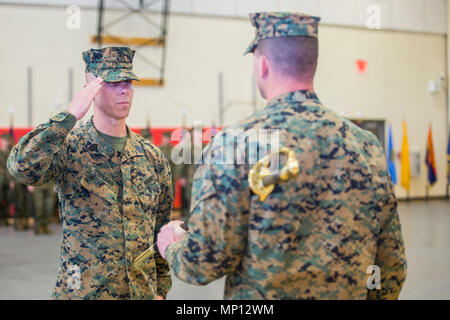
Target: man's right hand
168, 234
82, 101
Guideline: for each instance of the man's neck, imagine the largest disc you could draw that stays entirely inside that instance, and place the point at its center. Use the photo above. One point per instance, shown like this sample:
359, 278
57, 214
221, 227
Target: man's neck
110, 126
287, 87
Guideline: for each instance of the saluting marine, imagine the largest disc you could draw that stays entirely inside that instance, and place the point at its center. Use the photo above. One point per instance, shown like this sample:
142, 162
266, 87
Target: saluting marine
315, 235
114, 187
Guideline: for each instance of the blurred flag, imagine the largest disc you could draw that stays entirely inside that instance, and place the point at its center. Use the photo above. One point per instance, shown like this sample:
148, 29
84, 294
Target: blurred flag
405, 176
177, 198
391, 158
429, 159
213, 131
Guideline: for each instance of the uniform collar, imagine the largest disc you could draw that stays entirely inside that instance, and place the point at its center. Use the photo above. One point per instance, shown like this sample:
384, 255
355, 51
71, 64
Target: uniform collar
294, 96
97, 144
133, 147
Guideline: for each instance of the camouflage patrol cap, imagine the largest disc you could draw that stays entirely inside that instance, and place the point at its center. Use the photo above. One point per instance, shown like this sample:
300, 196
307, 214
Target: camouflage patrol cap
282, 24
113, 64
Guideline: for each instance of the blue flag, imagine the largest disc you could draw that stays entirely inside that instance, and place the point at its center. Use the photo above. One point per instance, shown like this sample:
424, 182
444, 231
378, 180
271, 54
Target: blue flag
430, 160
391, 157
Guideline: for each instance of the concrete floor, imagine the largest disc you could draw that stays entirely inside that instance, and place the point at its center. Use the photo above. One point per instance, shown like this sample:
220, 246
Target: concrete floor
28, 263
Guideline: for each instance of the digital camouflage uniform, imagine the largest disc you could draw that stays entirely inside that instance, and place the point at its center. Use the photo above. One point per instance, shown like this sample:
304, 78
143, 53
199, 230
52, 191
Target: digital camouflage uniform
166, 149
44, 203
4, 189
315, 235
112, 204
5, 178
22, 206
18, 196
186, 170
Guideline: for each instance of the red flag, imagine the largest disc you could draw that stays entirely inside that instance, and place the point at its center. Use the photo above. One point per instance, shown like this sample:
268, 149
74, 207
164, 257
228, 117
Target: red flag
177, 200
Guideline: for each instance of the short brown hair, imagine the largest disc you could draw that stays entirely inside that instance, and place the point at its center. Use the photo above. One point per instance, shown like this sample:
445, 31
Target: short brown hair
294, 57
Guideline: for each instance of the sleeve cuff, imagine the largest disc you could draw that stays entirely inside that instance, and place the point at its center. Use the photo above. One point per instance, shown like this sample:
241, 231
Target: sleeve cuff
162, 294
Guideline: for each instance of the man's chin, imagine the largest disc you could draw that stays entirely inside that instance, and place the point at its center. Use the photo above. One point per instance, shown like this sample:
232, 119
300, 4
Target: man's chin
114, 112
121, 115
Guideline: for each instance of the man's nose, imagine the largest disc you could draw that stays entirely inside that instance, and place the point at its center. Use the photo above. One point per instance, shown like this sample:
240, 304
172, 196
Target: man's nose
124, 89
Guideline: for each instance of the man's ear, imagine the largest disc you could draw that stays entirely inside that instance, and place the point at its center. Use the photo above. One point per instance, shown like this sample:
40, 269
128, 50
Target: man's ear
264, 67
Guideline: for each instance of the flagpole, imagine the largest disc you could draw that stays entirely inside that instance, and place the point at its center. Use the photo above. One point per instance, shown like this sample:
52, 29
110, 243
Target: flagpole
11, 117
11, 123
426, 192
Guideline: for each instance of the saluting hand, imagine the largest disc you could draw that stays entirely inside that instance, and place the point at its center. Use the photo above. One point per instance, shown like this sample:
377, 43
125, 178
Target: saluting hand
82, 101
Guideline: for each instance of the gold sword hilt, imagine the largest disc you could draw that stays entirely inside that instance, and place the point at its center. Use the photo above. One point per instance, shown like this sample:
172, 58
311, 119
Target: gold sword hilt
262, 182
141, 259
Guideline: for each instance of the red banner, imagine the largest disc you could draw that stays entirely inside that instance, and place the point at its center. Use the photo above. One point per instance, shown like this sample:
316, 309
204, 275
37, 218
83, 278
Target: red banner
157, 134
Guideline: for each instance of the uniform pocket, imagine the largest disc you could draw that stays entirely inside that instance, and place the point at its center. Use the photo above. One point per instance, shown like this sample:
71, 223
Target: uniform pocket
98, 207
149, 269
148, 193
100, 188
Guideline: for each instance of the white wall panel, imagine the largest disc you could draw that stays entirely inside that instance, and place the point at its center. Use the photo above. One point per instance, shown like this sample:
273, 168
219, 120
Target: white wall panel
249, 6
385, 7
435, 15
408, 14
345, 13
305, 6
182, 6
77, 2
38, 2
215, 7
